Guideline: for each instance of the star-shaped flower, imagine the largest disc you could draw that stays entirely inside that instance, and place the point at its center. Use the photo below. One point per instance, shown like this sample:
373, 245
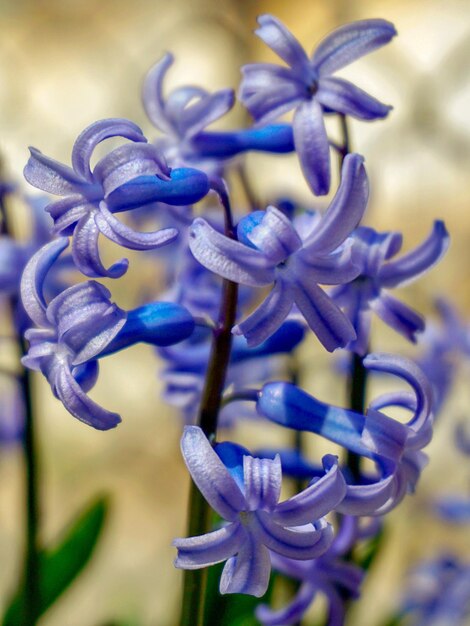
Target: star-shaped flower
307, 86
271, 250
245, 491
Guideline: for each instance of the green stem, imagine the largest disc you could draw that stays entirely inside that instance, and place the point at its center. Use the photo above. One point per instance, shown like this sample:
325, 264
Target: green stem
199, 522
31, 557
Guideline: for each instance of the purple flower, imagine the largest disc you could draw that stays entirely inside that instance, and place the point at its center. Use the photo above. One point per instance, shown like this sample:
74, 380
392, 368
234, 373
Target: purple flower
245, 491
394, 447
379, 272
328, 574
185, 113
306, 85
271, 250
81, 325
129, 176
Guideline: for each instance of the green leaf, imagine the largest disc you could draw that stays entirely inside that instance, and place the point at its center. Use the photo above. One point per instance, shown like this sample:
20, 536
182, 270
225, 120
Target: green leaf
61, 563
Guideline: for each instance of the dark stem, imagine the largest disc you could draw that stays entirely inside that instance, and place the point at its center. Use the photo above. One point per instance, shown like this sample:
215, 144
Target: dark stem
30, 609
357, 401
199, 522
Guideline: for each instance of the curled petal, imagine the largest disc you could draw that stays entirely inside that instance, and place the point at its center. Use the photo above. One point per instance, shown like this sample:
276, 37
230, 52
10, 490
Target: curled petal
121, 234
68, 211
128, 162
211, 548
268, 317
263, 479
79, 404
296, 544
336, 268
95, 134
416, 262
325, 318
350, 42
51, 176
152, 94
346, 209
312, 146
86, 375
366, 499
292, 613
210, 474
34, 275
318, 499
274, 34
247, 572
86, 253
228, 258
337, 94
412, 374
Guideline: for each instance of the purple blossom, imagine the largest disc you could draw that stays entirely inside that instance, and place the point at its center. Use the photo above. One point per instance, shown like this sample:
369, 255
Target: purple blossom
395, 448
271, 250
307, 86
379, 272
245, 491
81, 325
328, 574
127, 177
186, 111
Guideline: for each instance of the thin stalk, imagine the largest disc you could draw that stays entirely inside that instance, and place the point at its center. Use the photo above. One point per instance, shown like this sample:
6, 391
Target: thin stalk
31, 547
199, 521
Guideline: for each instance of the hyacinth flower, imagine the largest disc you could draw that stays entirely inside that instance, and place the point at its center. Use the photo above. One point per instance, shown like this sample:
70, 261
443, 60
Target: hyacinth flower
245, 491
129, 176
438, 593
306, 86
395, 448
81, 325
380, 272
328, 575
270, 250
184, 114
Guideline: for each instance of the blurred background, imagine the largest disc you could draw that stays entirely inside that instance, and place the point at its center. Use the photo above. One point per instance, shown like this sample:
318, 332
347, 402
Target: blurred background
67, 63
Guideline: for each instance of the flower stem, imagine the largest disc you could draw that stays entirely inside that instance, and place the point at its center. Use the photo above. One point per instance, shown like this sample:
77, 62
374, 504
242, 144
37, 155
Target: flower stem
199, 521
30, 609
357, 399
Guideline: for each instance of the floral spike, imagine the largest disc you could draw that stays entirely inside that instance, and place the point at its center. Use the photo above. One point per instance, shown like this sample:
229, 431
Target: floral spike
90, 196
245, 491
81, 325
307, 87
271, 250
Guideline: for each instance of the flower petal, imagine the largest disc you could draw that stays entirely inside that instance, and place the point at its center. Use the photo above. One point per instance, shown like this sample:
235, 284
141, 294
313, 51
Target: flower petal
295, 544
121, 234
341, 96
325, 318
152, 94
345, 211
263, 479
318, 499
86, 253
268, 317
51, 176
292, 613
398, 316
34, 275
366, 499
418, 261
211, 548
350, 42
79, 404
96, 133
312, 146
228, 258
206, 110
67, 212
274, 34
248, 572
210, 475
